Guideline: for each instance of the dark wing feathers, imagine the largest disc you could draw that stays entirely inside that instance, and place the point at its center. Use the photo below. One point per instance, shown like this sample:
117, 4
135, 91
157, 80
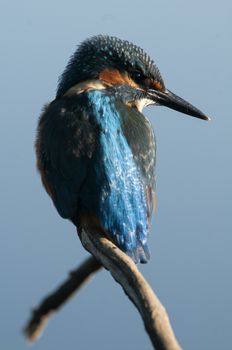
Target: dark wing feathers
141, 138
65, 144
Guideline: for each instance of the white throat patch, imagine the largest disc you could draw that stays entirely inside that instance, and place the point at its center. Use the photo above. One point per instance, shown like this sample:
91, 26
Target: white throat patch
143, 102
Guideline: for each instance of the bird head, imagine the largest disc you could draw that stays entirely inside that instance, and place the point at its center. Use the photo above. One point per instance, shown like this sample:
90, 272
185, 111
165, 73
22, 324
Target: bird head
124, 67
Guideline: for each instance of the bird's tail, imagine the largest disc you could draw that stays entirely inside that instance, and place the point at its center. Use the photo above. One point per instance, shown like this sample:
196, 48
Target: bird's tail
140, 254
134, 244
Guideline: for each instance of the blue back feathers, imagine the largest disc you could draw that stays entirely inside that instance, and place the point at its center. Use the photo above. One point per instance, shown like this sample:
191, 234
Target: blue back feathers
122, 205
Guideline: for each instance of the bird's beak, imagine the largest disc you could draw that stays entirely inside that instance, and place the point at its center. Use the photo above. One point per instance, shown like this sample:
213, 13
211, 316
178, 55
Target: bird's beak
170, 100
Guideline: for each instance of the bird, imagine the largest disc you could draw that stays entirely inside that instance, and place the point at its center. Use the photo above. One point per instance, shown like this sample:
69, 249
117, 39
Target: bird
96, 151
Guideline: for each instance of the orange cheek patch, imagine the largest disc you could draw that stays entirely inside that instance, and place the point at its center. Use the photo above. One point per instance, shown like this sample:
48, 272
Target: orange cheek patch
114, 77
157, 85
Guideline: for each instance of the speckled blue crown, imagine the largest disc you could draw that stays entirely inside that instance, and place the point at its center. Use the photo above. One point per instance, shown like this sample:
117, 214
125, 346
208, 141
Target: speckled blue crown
100, 52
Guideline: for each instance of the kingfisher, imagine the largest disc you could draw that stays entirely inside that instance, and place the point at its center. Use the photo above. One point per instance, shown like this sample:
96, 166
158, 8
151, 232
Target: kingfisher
96, 151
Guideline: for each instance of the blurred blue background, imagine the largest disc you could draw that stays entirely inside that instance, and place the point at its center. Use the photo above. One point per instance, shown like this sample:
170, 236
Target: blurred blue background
191, 239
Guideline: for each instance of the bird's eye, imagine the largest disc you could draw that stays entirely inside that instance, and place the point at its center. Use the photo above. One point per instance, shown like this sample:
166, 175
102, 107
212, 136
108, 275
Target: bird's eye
137, 76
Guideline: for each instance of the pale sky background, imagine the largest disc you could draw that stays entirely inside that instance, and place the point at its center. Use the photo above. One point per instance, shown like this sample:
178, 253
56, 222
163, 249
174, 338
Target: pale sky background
191, 238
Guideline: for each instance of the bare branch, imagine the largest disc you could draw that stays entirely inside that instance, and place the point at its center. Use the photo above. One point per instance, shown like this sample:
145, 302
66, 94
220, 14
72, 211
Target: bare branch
56, 299
125, 272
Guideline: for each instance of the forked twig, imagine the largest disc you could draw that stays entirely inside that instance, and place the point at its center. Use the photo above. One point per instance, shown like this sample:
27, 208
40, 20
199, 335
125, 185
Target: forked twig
125, 272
